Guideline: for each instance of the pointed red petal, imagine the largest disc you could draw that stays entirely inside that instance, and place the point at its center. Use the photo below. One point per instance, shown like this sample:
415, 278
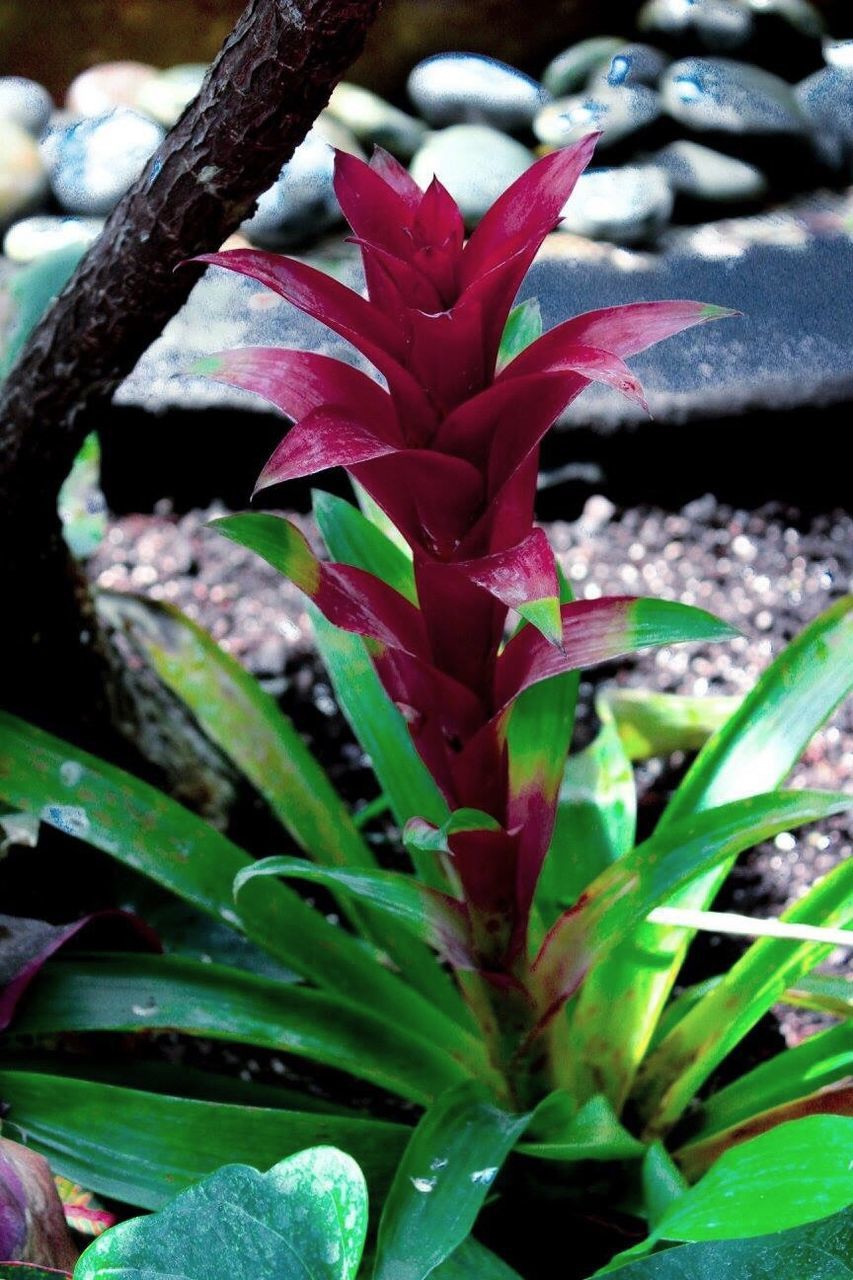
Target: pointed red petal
375, 211
527, 210
323, 439
623, 330
397, 176
592, 362
298, 381
438, 221
524, 578
430, 497
412, 287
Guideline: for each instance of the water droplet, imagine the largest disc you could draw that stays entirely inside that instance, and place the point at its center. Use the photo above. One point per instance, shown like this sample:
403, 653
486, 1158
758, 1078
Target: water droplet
69, 818
483, 1177
146, 1010
424, 1185
70, 771
230, 917
440, 1162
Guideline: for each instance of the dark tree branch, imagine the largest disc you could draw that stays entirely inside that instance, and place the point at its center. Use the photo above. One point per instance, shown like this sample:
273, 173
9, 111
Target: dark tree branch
272, 78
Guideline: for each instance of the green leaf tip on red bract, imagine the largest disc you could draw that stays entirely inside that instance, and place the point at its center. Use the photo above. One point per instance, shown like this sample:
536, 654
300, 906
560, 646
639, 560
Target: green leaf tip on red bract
447, 448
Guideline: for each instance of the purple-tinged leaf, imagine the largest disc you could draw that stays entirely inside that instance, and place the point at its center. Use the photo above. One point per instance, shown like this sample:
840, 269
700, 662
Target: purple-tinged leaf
524, 578
32, 1223
298, 381
624, 330
520, 219
350, 598
596, 631
323, 439
430, 497
397, 176
26, 945
378, 214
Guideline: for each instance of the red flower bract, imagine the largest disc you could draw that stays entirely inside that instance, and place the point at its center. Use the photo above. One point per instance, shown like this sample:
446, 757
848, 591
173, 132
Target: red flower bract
449, 451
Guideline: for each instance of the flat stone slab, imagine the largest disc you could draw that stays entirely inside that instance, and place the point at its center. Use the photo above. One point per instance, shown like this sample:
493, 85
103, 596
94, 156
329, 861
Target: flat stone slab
793, 345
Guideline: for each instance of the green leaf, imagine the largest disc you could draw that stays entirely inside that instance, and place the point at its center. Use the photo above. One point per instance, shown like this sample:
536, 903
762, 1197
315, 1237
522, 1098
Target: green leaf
247, 726
31, 291
680, 1064
562, 1132
81, 505
445, 1175
523, 326
306, 1217
140, 993
795, 1173
627, 891
817, 1251
142, 1148
596, 821
656, 724
663, 1183
471, 1261
752, 752
434, 917
359, 542
824, 993
145, 830
420, 836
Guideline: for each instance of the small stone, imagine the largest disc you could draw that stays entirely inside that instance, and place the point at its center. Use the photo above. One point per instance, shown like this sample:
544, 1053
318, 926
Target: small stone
626, 205
25, 103
97, 159
704, 174
631, 64
23, 180
165, 96
302, 203
108, 85
719, 25
826, 99
35, 238
572, 68
617, 110
717, 94
475, 163
376, 122
453, 88
839, 54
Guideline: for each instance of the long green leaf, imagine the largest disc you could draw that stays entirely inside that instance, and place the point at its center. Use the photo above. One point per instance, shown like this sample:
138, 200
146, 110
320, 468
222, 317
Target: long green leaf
142, 1148
819, 1061
360, 542
145, 830
817, 1251
306, 1217
246, 724
135, 992
563, 1133
830, 993
655, 724
674, 1072
628, 890
433, 917
445, 1175
752, 752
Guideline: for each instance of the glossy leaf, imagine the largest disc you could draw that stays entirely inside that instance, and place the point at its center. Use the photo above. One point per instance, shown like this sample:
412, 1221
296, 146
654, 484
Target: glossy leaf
655, 724
755, 749
445, 1175
433, 917
142, 1148
472, 1261
681, 1063
247, 725
817, 1251
144, 829
306, 1216
563, 1133
358, 541
138, 993
596, 821
824, 993
627, 891
663, 1183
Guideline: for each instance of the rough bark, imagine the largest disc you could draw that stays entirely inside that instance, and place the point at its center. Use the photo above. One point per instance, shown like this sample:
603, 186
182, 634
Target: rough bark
274, 74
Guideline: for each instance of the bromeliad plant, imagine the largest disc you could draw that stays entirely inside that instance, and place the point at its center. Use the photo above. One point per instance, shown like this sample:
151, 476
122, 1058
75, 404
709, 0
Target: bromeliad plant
454, 645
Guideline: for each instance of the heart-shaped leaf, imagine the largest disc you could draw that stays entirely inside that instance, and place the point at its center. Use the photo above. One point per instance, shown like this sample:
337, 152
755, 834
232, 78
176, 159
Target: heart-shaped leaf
307, 1216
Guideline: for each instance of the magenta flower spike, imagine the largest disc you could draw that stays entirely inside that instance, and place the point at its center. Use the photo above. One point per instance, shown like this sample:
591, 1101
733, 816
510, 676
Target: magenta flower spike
448, 448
